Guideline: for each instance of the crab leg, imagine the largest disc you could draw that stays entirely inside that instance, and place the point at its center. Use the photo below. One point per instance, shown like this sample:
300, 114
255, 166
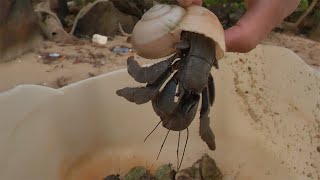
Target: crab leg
175, 115
205, 130
164, 103
138, 95
188, 103
211, 89
141, 95
148, 74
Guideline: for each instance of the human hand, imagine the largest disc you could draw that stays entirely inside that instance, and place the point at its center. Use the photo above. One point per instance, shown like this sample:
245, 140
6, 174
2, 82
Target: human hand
259, 20
186, 3
261, 17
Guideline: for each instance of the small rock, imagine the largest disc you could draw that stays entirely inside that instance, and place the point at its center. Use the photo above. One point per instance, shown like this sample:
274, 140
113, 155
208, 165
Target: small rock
209, 168
204, 168
165, 172
91, 74
62, 81
135, 173
148, 176
112, 177
99, 39
188, 173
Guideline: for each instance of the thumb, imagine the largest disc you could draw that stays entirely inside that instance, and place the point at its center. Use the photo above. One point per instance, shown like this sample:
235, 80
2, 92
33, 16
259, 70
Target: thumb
251, 28
240, 38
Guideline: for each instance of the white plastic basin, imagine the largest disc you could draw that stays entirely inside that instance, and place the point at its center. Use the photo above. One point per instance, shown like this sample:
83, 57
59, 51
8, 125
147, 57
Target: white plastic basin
265, 119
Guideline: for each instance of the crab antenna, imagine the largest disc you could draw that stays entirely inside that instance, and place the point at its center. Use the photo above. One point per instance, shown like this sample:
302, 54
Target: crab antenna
178, 150
184, 149
152, 131
163, 143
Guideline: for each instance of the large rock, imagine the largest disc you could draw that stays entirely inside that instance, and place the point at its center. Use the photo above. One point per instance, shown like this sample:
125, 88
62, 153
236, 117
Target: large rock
315, 33
102, 17
133, 7
59, 7
51, 26
19, 30
4, 10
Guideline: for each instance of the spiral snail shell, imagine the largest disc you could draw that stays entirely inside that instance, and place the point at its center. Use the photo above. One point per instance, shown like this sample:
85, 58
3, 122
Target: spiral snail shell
159, 29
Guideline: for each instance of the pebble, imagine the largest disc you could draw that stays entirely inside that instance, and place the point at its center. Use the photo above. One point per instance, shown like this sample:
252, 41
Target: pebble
99, 39
121, 50
54, 55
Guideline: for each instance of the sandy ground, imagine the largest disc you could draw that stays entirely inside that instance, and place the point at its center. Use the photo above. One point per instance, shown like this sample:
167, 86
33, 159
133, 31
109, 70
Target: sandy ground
86, 60
307, 49
77, 62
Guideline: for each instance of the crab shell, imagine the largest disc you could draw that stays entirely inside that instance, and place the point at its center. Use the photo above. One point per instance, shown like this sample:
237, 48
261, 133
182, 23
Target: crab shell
159, 29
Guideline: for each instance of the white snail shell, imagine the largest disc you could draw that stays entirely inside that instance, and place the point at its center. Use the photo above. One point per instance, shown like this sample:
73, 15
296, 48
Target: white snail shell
159, 29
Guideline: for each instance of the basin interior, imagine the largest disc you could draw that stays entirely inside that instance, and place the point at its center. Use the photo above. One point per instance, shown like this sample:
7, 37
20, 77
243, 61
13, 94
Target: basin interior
263, 118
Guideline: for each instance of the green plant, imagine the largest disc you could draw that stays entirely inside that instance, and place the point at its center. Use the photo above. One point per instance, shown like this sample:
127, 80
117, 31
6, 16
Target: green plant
208, 3
304, 4
316, 14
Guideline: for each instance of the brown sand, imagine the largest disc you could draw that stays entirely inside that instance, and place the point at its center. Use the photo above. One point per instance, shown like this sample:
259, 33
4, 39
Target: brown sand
78, 62
87, 60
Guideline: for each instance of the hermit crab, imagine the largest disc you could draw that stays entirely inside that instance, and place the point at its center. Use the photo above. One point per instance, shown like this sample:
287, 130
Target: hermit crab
192, 41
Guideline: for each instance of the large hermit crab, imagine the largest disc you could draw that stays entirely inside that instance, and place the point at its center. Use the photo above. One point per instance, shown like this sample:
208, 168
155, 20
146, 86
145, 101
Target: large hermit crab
194, 41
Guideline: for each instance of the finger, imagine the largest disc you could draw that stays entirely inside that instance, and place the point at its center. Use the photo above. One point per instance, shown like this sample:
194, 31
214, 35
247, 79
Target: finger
187, 3
239, 39
197, 2
251, 28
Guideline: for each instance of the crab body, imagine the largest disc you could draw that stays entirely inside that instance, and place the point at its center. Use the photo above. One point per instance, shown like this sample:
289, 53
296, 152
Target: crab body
191, 78
198, 63
193, 37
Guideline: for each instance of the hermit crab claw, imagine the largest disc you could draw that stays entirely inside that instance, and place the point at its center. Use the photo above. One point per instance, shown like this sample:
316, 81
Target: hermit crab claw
178, 115
155, 75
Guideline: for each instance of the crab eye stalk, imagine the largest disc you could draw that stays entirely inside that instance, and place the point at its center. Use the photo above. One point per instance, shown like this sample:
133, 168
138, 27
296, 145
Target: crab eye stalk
159, 30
